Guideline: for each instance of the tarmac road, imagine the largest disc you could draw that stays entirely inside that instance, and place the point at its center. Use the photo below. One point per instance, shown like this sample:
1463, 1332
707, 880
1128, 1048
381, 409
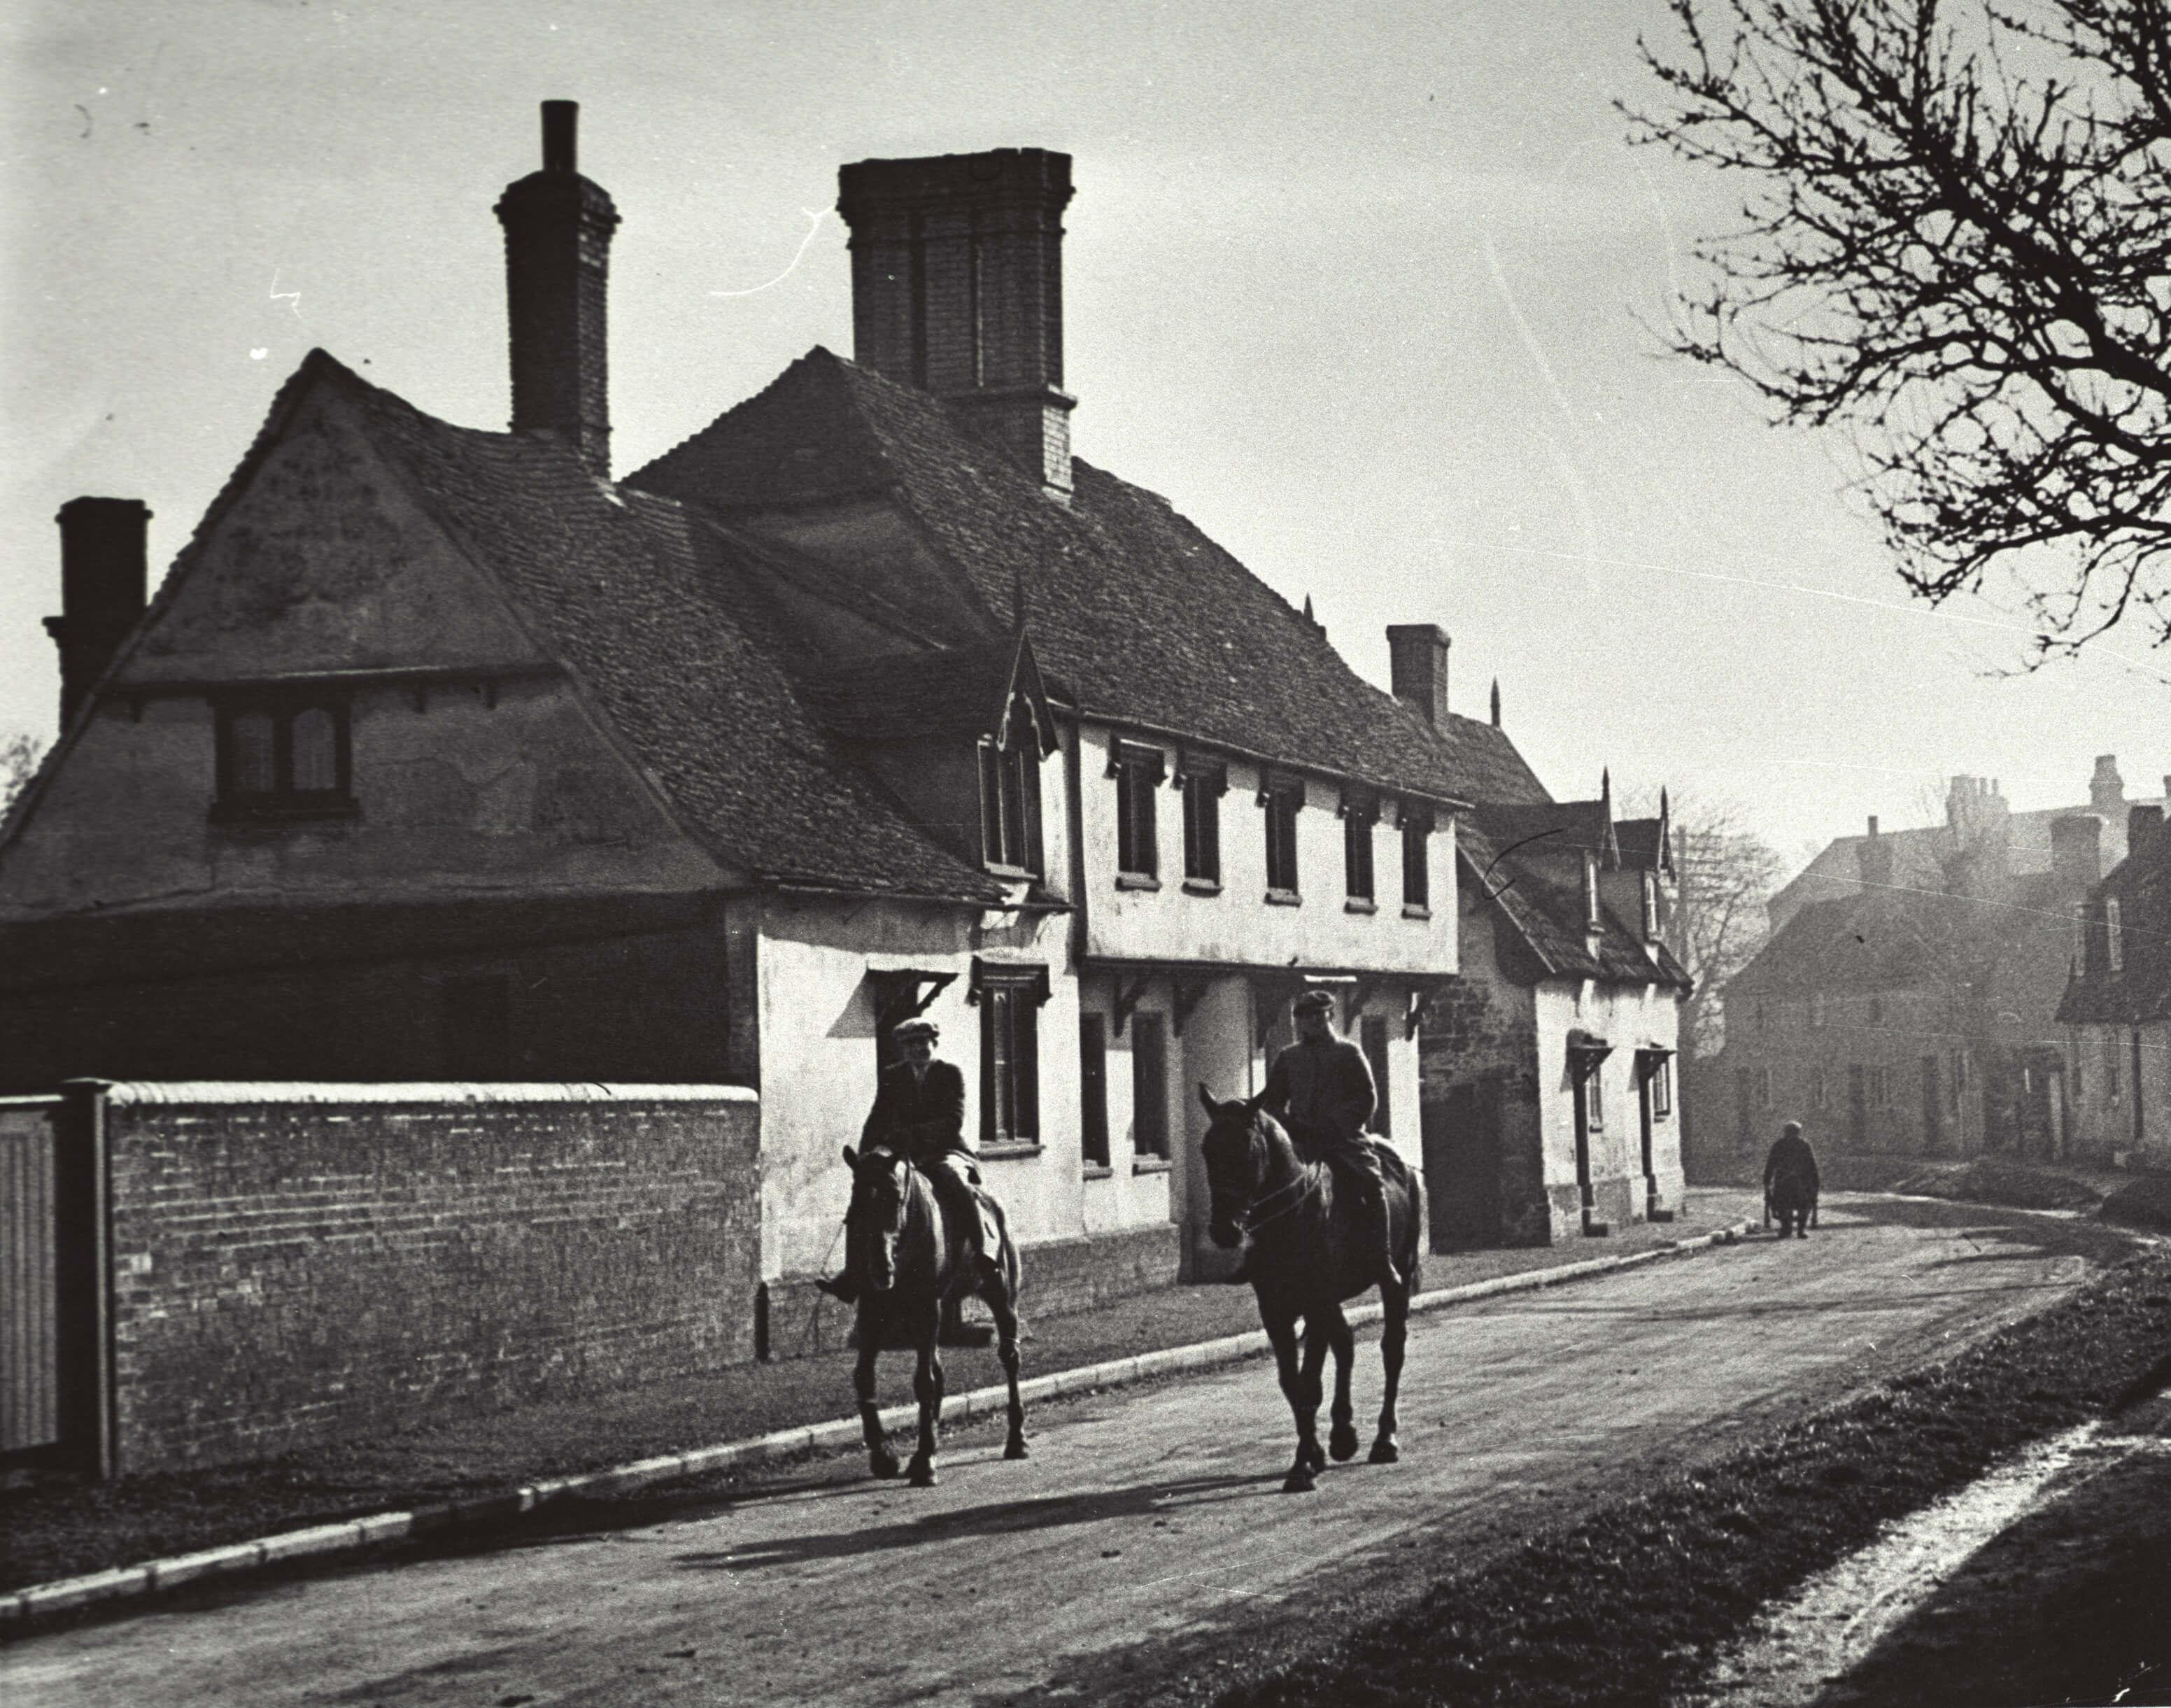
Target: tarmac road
1149, 1524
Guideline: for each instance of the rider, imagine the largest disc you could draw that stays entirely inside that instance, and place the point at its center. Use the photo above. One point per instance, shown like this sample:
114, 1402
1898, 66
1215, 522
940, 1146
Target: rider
920, 1113
1321, 1088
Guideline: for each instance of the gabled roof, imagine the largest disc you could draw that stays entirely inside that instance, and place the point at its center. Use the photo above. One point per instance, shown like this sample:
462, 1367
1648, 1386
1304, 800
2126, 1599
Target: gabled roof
655, 610
2140, 991
1145, 618
1646, 845
945, 691
1545, 905
1537, 828
1878, 940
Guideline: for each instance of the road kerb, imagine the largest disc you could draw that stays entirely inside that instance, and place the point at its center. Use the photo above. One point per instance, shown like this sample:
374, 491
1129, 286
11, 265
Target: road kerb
18, 1607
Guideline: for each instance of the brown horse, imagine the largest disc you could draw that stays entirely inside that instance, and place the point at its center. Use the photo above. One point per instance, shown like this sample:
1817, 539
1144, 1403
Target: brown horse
911, 1255
1308, 1255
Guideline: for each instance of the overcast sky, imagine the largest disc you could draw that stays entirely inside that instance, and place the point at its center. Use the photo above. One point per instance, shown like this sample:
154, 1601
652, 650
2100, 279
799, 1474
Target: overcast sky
1370, 301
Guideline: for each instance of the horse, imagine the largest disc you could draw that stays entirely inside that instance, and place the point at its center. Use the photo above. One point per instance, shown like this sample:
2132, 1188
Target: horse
1307, 1257
911, 1255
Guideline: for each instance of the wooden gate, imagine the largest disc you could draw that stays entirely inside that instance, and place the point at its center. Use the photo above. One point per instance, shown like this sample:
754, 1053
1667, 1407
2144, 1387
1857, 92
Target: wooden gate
52, 1283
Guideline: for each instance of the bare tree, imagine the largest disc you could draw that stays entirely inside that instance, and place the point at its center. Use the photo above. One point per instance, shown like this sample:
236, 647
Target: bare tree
19, 754
1955, 238
1725, 874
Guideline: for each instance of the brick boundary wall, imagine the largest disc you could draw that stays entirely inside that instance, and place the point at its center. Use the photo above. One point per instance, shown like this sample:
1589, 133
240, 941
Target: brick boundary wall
1063, 1277
297, 1262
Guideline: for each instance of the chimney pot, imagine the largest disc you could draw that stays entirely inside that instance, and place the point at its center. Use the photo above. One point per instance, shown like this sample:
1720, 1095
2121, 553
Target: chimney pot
561, 127
2106, 788
1417, 657
1876, 855
104, 581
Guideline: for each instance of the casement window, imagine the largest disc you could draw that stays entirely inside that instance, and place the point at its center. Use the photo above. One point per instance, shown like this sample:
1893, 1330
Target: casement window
1139, 772
1591, 919
1763, 1016
2113, 935
1959, 1078
1093, 1088
283, 757
1416, 858
475, 1027
1818, 1093
1662, 1087
1372, 1032
1009, 998
1359, 813
1010, 795
1204, 783
1880, 1088
1763, 1087
1650, 907
1283, 799
1149, 1084
1593, 1096
2112, 1087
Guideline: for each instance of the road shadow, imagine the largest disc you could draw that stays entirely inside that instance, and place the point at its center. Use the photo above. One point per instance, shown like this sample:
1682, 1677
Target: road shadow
996, 1518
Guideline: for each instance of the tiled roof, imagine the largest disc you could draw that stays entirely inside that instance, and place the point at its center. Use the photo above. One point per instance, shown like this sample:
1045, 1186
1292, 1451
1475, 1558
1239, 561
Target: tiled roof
1544, 903
1144, 618
1879, 940
1642, 842
2141, 990
1547, 827
641, 597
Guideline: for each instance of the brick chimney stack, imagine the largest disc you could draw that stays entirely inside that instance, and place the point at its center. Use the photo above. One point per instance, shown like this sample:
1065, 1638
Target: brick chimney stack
558, 229
1876, 857
1417, 655
103, 582
957, 289
2077, 848
2142, 825
2106, 788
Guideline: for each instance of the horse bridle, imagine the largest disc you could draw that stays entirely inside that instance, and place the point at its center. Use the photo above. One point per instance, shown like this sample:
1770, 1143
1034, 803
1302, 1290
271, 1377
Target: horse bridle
1302, 1187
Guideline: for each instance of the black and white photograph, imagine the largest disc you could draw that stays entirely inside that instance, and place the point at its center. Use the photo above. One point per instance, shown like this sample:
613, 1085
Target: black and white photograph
1124, 853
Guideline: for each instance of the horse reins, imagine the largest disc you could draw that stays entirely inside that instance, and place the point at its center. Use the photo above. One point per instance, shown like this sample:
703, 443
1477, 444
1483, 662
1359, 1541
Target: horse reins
1306, 1183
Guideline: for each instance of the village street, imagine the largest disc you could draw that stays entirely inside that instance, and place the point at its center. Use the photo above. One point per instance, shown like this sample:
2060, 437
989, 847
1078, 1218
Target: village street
1149, 1526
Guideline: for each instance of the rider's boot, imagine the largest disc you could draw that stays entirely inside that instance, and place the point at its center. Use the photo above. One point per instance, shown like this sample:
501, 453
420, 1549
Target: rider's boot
841, 1286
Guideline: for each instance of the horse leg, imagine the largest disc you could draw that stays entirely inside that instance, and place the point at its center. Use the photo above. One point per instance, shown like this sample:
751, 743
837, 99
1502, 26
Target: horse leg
927, 1388
1342, 1437
1004, 1308
1282, 1332
1394, 1335
1309, 1390
879, 1459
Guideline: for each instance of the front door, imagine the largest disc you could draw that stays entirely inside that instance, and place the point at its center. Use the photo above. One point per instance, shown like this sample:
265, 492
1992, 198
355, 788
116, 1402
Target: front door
1462, 1138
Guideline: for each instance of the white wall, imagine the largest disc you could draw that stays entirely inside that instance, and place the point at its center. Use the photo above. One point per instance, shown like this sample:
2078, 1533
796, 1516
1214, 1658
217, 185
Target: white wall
1629, 1018
1239, 927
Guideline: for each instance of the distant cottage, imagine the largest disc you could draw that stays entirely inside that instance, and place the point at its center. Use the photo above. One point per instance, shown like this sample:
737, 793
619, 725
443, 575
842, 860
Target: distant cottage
441, 755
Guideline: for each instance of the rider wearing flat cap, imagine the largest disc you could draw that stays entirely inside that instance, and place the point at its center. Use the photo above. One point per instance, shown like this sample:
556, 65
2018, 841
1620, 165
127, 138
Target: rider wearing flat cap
920, 1113
1320, 1088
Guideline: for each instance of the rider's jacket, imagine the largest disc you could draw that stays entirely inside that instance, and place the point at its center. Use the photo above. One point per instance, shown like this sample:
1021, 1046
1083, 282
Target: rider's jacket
922, 1117
1323, 1092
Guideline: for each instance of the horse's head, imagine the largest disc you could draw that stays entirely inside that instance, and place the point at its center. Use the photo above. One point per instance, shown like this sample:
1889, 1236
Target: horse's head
1234, 1151
882, 1183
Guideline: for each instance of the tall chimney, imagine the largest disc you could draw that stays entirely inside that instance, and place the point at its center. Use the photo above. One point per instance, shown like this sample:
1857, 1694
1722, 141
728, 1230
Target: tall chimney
2106, 788
103, 579
1876, 857
1417, 662
2077, 848
558, 229
957, 289
2142, 825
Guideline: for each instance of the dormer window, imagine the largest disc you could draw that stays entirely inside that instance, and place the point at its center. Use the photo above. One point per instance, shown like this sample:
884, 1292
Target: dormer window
1590, 917
1010, 795
283, 756
1650, 907
2113, 935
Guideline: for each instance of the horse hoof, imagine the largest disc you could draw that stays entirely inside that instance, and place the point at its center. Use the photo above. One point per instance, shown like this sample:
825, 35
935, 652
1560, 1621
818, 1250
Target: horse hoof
1341, 1442
1384, 1452
1299, 1481
882, 1465
1016, 1449
921, 1476
1314, 1457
